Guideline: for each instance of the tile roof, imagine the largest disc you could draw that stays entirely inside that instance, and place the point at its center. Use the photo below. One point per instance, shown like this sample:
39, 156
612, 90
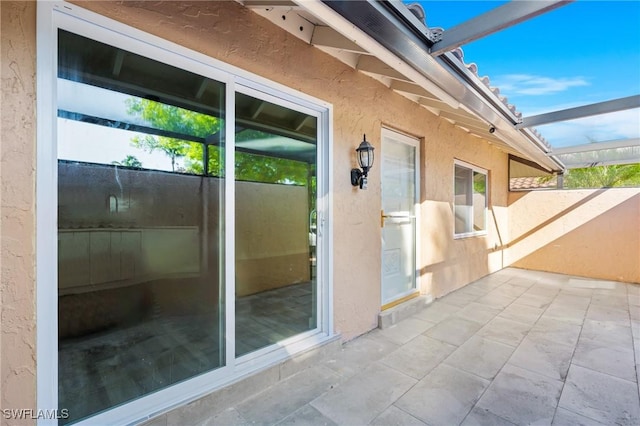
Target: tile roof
532, 182
458, 53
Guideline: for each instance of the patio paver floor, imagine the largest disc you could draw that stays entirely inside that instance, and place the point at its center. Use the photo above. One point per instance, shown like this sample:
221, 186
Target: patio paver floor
517, 347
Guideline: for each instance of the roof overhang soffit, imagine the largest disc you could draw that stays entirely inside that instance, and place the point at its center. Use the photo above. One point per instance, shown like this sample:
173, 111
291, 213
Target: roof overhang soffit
374, 38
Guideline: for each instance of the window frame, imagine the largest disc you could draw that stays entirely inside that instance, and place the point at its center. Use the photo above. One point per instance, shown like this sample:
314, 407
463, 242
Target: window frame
55, 15
473, 169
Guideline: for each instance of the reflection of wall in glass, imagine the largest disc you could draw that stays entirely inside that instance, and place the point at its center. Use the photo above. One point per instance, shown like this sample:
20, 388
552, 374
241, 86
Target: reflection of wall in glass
275, 285
139, 296
140, 261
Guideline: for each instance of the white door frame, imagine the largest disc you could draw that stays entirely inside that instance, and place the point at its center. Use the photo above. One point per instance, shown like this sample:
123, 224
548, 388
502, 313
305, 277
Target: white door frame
415, 143
57, 14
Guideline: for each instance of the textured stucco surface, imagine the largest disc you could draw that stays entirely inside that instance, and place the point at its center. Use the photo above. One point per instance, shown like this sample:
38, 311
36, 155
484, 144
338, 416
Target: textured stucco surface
17, 229
590, 233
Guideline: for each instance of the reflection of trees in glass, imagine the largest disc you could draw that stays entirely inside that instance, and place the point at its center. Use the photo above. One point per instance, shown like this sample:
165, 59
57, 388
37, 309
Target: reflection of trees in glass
257, 168
248, 166
603, 176
479, 183
174, 148
177, 120
128, 161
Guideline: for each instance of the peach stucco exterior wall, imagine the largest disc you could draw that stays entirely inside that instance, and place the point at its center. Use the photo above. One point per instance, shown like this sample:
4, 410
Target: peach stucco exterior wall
17, 208
448, 263
590, 233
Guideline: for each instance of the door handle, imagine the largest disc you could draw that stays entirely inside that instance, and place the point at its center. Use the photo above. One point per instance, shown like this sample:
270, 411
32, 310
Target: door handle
393, 216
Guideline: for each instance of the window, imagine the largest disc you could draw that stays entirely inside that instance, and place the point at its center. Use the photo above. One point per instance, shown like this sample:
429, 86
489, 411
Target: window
470, 200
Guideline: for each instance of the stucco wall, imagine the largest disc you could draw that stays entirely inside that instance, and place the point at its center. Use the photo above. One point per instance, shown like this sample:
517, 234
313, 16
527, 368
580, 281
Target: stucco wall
449, 263
17, 209
591, 233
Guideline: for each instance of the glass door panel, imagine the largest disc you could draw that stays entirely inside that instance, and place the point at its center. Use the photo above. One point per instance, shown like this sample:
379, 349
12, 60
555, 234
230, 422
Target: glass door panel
399, 195
275, 222
140, 225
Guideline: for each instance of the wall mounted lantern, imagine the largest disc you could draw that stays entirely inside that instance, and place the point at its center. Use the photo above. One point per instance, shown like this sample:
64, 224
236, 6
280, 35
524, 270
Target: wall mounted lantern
365, 160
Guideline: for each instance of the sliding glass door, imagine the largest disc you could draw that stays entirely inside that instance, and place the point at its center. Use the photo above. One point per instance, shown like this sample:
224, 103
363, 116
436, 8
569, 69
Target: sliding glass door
184, 241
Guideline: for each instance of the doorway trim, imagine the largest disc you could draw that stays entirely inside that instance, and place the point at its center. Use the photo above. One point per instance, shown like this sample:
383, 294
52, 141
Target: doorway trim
414, 142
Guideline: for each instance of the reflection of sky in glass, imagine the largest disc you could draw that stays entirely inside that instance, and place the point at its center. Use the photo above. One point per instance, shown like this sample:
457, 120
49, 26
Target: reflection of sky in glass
92, 143
81, 141
86, 142
91, 100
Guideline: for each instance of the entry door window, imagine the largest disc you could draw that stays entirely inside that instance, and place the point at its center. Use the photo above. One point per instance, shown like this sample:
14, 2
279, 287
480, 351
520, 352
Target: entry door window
399, 197
140, 208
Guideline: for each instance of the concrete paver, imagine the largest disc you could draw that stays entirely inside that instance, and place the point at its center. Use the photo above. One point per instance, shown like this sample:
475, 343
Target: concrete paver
601, 397
522, 396
444, 396
365, 396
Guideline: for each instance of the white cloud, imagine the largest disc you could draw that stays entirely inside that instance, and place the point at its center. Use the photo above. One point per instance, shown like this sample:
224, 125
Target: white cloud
527, 84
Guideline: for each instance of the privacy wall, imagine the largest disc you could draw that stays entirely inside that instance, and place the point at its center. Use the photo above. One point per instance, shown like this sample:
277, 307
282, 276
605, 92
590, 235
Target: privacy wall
589, 233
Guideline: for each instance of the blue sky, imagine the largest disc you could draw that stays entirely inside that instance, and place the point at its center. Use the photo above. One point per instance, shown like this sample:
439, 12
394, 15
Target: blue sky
578, 54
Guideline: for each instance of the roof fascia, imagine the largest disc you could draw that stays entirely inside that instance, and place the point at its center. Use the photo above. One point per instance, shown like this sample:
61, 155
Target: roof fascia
495, 20
380, 23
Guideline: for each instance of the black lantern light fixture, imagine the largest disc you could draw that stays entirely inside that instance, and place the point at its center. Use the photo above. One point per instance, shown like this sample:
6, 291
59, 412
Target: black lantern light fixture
365, 160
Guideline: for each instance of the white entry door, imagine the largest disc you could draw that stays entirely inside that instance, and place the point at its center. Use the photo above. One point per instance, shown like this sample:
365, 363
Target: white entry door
400, 182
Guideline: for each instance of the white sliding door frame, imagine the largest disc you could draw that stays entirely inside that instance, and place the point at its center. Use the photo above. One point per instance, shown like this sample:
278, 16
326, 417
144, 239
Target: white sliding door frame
53, 16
